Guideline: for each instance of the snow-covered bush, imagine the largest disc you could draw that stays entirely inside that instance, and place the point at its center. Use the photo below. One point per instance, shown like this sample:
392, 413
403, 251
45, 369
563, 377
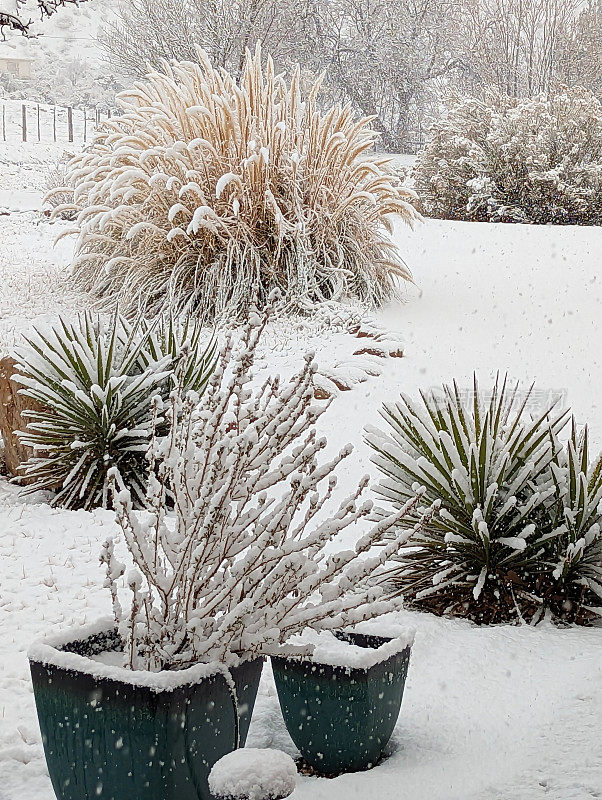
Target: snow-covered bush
454, 156
55, 192
535, 160
545, 157
244, 560
519, 526
101, 387
214, 191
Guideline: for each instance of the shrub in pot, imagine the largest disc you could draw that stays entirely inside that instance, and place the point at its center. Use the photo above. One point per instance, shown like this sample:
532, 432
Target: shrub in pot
113, 732
229, 553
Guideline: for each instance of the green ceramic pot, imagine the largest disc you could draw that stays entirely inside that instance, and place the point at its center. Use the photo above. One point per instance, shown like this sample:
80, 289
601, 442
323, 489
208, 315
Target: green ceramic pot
341, 718
114, 734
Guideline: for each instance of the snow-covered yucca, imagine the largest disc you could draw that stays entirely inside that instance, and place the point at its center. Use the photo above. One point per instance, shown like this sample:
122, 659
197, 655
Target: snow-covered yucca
519, 528
578, 566
490, 466
215, 191
237, 558
529, 160
100, 386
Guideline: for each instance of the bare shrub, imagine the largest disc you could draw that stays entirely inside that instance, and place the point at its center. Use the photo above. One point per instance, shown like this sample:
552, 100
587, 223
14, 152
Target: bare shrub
245, 559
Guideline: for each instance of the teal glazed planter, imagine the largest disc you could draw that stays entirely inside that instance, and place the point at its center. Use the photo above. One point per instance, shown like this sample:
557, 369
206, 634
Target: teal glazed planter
114, 734
341, 718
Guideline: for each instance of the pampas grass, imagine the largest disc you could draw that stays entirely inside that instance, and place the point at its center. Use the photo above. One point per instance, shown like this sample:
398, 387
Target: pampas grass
211, 192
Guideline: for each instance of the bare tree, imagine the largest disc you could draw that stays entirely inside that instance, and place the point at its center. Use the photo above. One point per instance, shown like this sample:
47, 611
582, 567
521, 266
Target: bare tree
385, 57
391, 59
514, 45
146, 31
580, 60
13, 14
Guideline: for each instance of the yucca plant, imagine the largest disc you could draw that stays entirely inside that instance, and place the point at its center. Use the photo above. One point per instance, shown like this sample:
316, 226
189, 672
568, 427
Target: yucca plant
489, 465
216, 191
102, 386
578, 566
184, 341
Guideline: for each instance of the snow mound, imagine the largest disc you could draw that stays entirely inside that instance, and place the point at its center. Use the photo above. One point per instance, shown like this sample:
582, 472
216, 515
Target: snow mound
251, 774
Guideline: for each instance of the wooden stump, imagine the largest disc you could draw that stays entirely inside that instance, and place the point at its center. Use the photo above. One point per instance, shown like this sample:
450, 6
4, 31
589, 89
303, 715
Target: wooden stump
12, 419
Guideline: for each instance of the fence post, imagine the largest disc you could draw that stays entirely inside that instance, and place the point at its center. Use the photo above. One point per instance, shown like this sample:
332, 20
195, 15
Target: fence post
39, 122
54, 122
85, 123
24, 121
70, 122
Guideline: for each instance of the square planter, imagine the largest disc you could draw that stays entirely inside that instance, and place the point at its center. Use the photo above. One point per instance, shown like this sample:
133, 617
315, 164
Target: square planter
342, 717
119, 734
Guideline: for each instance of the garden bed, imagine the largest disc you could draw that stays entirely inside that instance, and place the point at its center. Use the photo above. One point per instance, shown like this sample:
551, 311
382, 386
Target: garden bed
501, 712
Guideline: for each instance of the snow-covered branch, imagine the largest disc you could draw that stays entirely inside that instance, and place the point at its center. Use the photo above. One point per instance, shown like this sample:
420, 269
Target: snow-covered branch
244, 561
14, 15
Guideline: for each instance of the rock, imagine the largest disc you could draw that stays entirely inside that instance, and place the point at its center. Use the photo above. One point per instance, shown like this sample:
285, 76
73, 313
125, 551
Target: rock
12, 408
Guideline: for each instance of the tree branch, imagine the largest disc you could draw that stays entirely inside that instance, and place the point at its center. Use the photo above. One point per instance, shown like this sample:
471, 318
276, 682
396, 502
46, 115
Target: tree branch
13, 20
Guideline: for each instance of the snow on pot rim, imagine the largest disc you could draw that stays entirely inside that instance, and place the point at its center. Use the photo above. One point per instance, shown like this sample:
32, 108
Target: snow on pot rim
51, 650
330, 650
387, 626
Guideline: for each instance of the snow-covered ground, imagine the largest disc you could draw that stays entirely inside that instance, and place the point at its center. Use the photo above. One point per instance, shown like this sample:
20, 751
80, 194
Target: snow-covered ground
33, 278
516, 298
500, 713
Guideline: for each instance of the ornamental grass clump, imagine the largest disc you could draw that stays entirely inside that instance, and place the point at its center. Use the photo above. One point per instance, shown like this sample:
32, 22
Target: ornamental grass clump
234, 553
101, 386
213, 191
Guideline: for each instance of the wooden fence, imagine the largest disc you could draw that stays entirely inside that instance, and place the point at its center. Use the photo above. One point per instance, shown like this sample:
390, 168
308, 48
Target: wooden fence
37, 122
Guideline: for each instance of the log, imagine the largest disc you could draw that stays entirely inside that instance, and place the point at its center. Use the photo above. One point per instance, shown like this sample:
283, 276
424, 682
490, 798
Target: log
12, 417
